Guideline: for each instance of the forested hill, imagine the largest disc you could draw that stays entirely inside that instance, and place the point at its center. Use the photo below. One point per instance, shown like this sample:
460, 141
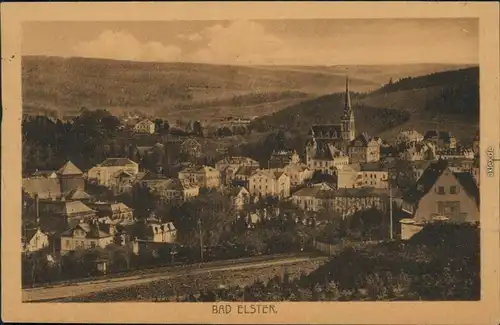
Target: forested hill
453, 92
443, 100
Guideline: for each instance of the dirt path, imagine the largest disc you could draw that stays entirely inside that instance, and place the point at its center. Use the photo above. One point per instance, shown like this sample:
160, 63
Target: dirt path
83, 288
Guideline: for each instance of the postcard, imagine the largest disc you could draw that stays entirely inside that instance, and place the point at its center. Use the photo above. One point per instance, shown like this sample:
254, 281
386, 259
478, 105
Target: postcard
244, 163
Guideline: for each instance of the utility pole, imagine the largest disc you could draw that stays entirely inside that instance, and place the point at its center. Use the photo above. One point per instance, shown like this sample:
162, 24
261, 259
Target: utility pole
201, 240
390, 211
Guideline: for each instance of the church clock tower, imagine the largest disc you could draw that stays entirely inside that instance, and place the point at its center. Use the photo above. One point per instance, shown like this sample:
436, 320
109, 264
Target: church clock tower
347, 126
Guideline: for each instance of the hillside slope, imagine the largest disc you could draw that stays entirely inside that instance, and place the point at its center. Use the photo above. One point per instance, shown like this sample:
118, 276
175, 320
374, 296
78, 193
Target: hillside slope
445, 100
64, 85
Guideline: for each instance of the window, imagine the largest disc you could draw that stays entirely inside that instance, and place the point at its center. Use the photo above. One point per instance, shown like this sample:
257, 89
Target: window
67, 243
453, 190
440, 189
92, 244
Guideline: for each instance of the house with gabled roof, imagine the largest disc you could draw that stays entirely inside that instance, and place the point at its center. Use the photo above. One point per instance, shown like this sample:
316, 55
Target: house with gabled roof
441, 194
325, 157
104, 173
64, 213
364, 149
113, 212
230, 165
173, 190
243, 174
268, 182
441, 139
239, 196
145, 126
35, 239
190, 148
86, 235
202, 176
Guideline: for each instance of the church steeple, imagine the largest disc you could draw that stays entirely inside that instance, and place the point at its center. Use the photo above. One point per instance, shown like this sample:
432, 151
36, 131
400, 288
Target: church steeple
347, 103
347, 124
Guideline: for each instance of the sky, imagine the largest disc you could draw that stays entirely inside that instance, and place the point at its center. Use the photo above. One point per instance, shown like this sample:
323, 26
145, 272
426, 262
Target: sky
262, 42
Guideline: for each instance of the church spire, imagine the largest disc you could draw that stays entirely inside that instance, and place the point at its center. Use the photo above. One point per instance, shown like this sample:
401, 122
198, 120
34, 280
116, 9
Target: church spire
347, 107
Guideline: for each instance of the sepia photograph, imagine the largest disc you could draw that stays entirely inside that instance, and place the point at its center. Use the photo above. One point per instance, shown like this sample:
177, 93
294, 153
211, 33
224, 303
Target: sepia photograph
252, 161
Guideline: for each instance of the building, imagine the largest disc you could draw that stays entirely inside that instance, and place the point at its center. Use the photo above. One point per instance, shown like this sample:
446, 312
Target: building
156, 231
243, 174
105, 173
363, 149
282, 158
86, 236
71, 177
266, 182
230, 165
145, 126
409, 136
115, 212
475, 144
190, 148
373, 175
122, 182
239, 197
348, 176
419, 151
55, 185
338, 135
441, 139
307, 197
327, 159
440, 194
173, 190
34, 240
344, 202
455, 153
64, 214
202, 176
298, 173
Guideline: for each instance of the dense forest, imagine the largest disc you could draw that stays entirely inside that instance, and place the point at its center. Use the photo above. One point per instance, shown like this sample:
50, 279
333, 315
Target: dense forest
458, 91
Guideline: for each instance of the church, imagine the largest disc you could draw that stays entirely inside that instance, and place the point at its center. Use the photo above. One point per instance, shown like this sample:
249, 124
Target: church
335, 145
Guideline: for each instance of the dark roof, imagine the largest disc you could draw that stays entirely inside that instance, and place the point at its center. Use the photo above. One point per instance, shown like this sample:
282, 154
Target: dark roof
372, 166
246, 170
110, 162
92, 230
326, 131
469, 184
77, 194
443, 135
363, 137
426, 181
430, 176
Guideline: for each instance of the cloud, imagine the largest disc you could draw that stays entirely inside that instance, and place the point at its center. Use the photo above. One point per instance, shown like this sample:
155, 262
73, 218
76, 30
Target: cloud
190, 37
124, 46
241, 42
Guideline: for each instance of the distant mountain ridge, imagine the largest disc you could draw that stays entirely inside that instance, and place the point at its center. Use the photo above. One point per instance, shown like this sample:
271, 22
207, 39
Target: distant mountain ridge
64, 85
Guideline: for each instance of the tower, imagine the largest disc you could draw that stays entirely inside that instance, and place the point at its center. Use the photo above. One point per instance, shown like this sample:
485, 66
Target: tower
71, 177
347, 125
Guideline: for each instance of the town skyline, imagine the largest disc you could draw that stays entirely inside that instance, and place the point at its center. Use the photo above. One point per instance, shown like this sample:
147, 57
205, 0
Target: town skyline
309, 42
